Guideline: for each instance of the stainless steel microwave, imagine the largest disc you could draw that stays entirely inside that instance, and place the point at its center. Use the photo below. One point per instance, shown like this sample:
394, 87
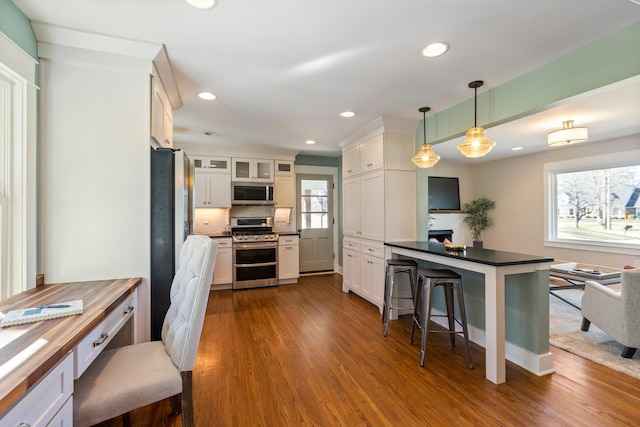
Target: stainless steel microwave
251, 194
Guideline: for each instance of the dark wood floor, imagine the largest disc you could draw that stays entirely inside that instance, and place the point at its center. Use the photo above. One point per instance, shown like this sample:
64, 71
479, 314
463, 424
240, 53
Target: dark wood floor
310, 355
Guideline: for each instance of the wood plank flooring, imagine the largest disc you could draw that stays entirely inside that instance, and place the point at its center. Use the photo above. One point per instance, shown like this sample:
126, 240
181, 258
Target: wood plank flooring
310, 355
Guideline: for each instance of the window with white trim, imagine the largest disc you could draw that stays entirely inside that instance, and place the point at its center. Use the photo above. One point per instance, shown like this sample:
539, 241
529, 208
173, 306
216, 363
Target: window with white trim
594, 202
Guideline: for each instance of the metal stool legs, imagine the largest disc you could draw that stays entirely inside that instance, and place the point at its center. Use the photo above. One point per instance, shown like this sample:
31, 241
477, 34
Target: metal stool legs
397, 266
428, 280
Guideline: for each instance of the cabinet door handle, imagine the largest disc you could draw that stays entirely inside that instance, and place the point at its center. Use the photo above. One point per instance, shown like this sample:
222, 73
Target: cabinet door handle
101, 340
127, 310
24, 425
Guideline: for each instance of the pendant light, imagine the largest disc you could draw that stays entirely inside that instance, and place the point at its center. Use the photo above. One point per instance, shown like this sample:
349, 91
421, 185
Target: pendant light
425, 157
476, 144
567, 135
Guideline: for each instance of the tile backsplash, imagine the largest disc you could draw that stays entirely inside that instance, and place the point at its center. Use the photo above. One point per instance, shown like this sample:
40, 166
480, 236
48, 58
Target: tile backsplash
210, 221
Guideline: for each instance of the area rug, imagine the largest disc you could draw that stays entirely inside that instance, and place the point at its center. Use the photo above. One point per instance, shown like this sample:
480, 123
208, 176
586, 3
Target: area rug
595, 345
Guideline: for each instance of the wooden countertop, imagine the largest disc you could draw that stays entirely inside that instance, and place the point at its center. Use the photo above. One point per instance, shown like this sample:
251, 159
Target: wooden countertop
28, 351
478, 255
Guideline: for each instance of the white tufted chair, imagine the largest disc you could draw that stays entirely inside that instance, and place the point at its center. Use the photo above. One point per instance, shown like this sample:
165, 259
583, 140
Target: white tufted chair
123, 379
616, 313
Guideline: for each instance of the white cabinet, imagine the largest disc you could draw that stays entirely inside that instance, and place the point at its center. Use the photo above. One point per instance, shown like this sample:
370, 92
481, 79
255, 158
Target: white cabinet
284, 167
211, 190
48, 402
211, 164
252, 170
364, 269
383, 151
380, 205
288, 259
223, 270
285, 192
161, 115
351, 161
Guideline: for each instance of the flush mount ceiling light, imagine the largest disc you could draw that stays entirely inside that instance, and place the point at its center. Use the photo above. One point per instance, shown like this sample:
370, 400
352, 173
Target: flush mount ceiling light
476, 144
207, 96
567, 135
435, 49
310, 142
425, 157
347, 114
203, 4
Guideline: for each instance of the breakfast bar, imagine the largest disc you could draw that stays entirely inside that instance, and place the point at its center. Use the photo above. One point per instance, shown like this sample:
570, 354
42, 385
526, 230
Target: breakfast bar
495, 266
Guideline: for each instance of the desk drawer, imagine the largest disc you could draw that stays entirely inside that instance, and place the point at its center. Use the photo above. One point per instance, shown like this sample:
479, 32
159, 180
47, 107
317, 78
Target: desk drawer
45, 398
92, 345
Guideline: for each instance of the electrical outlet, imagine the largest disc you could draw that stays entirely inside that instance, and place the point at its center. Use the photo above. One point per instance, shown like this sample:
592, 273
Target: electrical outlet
205, 221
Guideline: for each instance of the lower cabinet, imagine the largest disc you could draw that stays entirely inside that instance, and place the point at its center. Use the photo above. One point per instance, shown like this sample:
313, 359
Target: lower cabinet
288, 259
364, 269
48, 402
223, 270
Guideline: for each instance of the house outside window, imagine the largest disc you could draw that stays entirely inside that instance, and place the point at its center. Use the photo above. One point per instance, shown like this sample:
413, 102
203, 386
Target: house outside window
594, 202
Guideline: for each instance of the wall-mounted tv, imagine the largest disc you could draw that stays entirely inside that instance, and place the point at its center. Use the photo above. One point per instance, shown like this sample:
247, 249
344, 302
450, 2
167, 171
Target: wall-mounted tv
444, 194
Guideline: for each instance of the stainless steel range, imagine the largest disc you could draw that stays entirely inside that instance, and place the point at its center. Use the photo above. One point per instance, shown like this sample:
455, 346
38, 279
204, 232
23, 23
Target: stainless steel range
255, 253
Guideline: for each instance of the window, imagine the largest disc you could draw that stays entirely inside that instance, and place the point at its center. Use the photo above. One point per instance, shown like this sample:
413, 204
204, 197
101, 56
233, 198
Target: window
314, 210
594, 202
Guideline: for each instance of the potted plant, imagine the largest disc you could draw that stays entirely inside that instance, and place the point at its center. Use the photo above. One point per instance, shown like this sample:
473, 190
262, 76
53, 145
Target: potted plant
477, 219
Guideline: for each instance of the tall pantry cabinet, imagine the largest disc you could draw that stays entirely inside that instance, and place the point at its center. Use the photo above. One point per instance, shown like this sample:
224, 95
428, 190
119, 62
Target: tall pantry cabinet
378, 205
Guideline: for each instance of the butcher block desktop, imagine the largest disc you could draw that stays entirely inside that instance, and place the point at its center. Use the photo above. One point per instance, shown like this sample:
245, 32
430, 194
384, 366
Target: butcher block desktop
29, 351
495, 271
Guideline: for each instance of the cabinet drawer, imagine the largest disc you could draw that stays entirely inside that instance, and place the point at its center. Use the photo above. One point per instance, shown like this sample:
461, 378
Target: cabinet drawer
373, 249
45, 399
352, 244
287, 240
92, 345
223, 242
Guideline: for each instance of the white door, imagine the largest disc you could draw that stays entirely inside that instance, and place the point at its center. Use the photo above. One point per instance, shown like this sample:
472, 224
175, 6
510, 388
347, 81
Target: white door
315, 219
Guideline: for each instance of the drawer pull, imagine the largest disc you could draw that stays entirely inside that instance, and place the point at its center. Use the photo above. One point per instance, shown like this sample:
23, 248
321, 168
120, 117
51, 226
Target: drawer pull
127, 310
370, 250
102, 339
24, 425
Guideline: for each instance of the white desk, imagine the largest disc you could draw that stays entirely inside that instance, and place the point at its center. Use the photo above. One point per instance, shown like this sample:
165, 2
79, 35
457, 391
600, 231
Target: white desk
495, 265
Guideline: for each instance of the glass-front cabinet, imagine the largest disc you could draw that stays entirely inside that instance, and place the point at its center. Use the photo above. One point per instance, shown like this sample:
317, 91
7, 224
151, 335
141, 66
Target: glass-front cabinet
251, 170
211, 164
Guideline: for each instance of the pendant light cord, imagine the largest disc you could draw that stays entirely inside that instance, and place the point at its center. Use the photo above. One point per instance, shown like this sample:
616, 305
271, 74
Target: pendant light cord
475, 107
424, 127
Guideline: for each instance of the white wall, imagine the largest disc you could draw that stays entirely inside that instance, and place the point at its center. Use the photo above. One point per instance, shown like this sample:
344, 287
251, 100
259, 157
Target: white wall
516, 185
95, 194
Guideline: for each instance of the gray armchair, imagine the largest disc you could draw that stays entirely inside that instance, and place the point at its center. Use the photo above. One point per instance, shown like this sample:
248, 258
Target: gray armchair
126, 378
616, 313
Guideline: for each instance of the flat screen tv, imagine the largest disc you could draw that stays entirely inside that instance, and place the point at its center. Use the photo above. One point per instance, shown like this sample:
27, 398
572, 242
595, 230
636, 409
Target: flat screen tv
444, 194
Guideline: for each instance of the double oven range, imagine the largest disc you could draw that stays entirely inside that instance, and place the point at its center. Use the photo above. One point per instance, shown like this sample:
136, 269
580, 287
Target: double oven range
255, 253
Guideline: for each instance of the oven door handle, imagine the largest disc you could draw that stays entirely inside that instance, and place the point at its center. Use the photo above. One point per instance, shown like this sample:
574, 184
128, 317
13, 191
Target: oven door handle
268, 245
257, 264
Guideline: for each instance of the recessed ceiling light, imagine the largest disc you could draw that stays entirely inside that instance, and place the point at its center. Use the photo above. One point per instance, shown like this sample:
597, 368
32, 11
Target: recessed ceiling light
347, 114
207, 96
516, 149
203, 4
435, 49
310, 142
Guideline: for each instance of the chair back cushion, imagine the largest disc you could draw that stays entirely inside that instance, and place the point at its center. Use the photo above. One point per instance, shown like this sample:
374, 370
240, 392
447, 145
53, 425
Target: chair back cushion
189, 295
631, 295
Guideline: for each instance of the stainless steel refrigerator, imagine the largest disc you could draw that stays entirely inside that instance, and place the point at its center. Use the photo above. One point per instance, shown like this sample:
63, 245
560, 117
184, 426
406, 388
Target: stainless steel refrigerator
171, 207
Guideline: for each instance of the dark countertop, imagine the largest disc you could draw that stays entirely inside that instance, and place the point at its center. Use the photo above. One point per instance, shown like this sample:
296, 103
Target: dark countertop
288, 233
479, 255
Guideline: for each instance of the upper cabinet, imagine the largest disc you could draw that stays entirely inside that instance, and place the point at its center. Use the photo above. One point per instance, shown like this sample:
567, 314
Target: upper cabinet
211, 164
161, 115
383, 151
251, 170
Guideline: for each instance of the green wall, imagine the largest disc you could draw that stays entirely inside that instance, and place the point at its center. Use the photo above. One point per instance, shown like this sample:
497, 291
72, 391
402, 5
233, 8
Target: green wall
15, 25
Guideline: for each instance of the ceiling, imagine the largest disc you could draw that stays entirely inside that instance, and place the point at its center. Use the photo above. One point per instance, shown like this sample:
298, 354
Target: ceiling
283, 70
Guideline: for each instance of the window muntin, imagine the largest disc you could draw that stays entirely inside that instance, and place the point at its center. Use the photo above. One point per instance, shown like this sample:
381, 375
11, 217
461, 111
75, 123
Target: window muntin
314, 202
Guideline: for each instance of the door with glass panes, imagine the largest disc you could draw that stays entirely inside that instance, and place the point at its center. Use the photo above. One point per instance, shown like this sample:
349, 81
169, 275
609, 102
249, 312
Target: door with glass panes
315, 221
